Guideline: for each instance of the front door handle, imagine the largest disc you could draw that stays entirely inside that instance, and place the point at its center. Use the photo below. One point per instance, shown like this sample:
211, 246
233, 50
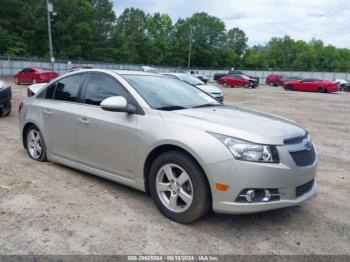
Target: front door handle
84, 121
47, 112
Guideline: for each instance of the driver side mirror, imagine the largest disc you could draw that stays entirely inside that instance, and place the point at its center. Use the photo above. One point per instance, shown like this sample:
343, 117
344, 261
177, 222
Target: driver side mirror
117, 104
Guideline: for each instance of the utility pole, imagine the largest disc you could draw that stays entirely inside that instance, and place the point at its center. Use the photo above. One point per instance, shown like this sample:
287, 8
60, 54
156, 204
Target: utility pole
190, 49
49, 11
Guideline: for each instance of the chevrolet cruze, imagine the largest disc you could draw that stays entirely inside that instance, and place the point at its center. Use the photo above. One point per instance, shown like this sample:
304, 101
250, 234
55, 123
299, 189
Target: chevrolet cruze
162, 135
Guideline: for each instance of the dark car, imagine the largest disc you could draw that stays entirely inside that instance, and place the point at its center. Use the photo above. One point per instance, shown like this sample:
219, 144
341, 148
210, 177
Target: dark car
217, 76
80, 67
5, 99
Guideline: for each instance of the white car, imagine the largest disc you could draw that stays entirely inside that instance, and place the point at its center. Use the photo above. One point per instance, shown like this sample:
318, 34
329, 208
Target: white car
343, 85
210, 89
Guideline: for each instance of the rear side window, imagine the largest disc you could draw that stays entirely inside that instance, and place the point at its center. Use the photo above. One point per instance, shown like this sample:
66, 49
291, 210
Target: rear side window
67, 89
100, 87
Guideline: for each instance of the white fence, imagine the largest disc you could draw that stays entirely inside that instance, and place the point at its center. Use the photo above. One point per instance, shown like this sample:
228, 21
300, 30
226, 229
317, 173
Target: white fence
9, 67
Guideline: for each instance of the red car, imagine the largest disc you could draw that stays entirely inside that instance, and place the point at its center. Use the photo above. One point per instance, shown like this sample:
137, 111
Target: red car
237, 81
33, 75
312, 85
273, 80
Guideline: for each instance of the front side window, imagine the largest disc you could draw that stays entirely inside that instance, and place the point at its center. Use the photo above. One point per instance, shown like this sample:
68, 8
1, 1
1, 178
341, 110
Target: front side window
165, 93
100, 87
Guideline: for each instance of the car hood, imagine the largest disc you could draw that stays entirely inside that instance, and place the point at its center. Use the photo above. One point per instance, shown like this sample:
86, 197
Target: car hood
241, 123
209, 88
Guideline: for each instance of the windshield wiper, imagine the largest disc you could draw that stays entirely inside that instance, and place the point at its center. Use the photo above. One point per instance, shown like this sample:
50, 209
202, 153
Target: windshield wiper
207, 105
170, 108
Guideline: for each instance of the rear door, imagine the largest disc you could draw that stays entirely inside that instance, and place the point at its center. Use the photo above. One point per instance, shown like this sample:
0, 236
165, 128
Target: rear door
59, 116
106, 140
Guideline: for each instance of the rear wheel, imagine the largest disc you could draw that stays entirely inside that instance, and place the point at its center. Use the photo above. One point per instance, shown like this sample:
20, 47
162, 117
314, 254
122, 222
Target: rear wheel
34, 81
16, 81
8, 107
35, 144
179, 187
225, 84
247, 85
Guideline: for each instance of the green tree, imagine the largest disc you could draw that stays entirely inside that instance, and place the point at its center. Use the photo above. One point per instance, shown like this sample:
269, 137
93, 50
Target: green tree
237, 41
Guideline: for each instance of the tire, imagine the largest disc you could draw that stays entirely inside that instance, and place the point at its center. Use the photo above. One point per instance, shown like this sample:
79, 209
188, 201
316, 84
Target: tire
35, 144
34, 81
195, 190
8, 107
246, 86
290, 88
225, 84
16, 81
322, 89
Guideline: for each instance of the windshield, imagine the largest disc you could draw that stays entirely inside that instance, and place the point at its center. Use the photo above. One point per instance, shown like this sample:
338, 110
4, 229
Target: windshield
166, 93
192, 80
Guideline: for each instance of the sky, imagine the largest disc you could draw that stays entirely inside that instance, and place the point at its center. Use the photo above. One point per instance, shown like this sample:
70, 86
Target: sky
328, 20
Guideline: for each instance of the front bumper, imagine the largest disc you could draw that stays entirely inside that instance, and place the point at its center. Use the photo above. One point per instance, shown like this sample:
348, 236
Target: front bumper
285, 176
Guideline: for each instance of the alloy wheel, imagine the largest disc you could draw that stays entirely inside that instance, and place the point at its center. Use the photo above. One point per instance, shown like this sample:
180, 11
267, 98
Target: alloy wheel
174, 188
34, 144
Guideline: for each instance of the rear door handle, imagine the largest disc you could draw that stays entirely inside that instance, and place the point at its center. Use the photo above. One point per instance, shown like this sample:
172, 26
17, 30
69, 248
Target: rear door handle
84, 121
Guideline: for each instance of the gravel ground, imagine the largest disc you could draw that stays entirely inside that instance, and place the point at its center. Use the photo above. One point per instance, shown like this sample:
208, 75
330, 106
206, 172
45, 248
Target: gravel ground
46, 208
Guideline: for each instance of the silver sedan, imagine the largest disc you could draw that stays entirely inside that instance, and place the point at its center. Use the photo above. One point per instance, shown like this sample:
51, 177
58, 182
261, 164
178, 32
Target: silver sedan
162, 135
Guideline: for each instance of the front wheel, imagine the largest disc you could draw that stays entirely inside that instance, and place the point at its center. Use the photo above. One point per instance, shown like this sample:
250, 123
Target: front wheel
322, 89
35, 144
179, 187
290, 88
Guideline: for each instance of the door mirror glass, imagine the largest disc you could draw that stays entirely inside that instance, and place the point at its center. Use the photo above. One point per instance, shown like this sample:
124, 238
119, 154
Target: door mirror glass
117, 104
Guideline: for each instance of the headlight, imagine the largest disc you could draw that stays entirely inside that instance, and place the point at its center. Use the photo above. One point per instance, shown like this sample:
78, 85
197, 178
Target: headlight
248, 151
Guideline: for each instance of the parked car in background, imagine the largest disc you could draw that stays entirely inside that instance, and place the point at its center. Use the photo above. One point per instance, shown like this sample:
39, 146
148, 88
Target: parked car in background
343, 85
201, 77
150, 69
274, 79
311, 85
33, 75
162, 135
285, 79
238, 81
217, 76
192, 80
5, 99
80, 67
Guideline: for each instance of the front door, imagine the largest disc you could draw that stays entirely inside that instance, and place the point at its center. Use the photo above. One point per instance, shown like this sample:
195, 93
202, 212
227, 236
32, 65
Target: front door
106, 140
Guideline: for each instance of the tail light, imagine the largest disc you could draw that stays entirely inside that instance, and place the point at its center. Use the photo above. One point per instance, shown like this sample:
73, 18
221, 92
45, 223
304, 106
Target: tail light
20, 107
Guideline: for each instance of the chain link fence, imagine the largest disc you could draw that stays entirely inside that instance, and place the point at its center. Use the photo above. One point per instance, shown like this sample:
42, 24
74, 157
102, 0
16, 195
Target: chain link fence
9, 66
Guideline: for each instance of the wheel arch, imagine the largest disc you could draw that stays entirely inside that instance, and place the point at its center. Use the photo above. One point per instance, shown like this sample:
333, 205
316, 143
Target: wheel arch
24, 131
160, 149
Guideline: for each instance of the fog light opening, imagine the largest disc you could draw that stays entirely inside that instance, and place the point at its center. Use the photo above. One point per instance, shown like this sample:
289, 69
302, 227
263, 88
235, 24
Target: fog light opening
250, 196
